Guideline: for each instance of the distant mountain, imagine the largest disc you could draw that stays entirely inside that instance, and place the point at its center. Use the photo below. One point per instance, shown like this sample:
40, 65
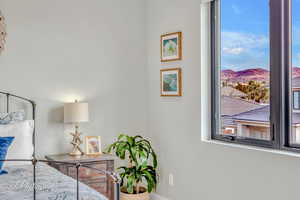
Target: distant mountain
296, 72
228, 74
256, 74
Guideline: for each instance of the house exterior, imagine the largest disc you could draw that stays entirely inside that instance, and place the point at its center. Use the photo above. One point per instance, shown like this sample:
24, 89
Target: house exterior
230, 107
255, 123
296, 94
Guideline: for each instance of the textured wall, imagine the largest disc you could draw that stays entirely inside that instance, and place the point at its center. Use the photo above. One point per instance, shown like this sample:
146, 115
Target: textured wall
202, 171
62, 50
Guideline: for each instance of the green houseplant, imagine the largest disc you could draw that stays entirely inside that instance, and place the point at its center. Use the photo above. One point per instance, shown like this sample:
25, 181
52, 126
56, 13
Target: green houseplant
142, 166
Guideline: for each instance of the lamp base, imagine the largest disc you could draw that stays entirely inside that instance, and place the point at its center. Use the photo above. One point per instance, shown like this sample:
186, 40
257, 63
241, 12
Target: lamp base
76, 153
76, 142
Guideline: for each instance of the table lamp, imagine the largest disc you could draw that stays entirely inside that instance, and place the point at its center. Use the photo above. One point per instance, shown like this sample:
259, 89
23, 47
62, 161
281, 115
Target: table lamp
76, 113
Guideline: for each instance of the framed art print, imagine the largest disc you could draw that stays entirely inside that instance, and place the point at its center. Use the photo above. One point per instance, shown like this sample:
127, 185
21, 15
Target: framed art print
93, 145
171, 47
171, 83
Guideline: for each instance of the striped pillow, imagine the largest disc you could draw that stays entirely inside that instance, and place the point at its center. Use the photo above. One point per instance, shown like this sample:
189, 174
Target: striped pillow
7, 118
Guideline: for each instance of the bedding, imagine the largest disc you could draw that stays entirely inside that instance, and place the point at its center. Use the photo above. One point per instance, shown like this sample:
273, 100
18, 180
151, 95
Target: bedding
22, 147
51, 185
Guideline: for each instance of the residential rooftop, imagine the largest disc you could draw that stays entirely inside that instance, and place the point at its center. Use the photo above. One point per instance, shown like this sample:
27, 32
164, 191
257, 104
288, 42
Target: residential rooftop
232, 106
231, 92
262, 115
296, 82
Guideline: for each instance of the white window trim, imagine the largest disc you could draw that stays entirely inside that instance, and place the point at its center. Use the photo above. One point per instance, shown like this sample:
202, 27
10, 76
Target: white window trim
205, 72
206, 88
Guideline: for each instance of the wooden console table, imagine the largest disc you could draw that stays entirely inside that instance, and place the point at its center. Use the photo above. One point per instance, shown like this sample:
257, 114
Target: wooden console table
100, 182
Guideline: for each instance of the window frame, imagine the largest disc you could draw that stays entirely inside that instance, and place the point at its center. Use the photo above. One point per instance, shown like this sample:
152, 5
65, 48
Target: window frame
280, 78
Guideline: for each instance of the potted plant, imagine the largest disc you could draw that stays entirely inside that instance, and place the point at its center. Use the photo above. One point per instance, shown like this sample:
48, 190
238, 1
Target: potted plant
139, 178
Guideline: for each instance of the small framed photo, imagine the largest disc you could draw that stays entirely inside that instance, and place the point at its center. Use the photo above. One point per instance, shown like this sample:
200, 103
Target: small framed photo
93, 145
171, 47
171, 83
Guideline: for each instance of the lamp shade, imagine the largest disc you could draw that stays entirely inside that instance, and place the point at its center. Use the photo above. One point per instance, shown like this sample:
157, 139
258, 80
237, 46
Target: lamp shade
76, 112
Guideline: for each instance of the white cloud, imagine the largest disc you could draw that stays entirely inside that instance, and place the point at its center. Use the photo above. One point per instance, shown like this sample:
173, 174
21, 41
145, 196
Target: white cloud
234, 51
244, 50
243, 40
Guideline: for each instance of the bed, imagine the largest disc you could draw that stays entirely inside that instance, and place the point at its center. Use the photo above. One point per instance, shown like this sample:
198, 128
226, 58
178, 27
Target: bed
29, 178
50, 185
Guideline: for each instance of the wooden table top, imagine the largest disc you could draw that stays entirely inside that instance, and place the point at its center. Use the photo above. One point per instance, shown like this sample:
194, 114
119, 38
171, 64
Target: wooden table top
83, 158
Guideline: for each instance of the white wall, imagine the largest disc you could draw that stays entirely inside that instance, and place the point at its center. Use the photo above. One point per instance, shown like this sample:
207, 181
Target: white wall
94, 50
60, 50
201, 170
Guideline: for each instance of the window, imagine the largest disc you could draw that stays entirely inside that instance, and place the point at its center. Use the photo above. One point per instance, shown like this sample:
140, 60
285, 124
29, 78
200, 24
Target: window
295, 68
296, 98
244, 68
256, 72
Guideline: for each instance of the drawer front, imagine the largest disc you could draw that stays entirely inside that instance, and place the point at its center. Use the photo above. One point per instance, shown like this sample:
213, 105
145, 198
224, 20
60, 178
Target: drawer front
98, 185
86, 174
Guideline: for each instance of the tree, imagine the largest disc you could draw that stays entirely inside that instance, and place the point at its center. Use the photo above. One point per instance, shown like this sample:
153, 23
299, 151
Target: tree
255, 91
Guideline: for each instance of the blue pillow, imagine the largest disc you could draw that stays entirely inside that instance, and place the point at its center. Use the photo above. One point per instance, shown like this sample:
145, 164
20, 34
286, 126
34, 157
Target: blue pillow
5, 142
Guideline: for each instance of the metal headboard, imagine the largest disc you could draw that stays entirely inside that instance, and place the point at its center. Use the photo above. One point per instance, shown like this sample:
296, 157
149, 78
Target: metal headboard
33, 104
34, 160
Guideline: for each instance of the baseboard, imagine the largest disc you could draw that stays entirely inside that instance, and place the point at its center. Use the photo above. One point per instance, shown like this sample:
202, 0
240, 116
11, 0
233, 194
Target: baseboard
155, 196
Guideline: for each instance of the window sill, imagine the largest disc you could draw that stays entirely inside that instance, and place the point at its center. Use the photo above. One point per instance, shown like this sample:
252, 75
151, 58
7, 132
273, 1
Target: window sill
273, 151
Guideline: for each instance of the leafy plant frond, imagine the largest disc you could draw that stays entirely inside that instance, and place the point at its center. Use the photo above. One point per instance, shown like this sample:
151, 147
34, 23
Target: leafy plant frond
139, 153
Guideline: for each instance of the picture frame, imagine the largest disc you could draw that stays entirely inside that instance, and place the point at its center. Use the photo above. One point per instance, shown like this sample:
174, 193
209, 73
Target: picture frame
171, 82
93, 145
171, 47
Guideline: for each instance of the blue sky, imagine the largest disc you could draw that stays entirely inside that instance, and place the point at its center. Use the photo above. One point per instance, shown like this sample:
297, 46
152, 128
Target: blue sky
245, 34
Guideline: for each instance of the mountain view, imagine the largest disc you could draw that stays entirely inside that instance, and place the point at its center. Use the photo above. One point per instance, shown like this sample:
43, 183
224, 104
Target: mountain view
255, 74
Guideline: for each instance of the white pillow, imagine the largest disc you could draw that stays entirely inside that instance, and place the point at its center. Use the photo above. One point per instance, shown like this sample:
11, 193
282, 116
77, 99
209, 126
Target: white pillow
22, 147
